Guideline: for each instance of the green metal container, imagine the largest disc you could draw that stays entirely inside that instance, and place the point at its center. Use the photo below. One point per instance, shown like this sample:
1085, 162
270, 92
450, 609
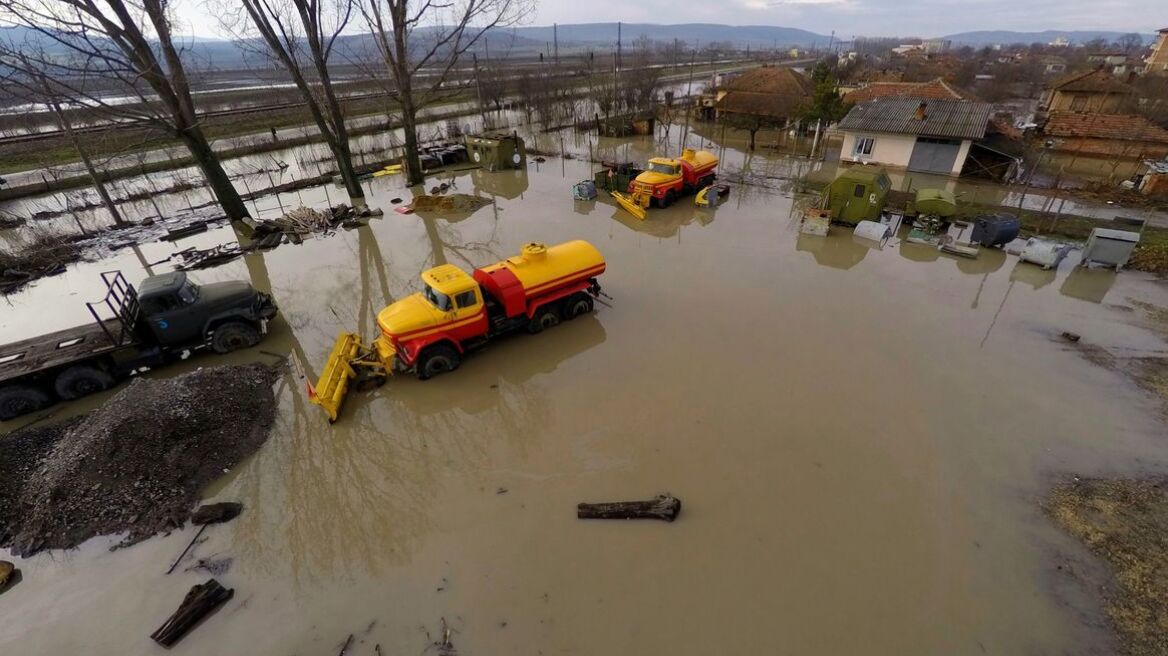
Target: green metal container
858, 194
496, 152
937, 202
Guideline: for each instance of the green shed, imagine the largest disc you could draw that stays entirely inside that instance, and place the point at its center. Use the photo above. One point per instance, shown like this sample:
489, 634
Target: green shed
495, 152
858, 194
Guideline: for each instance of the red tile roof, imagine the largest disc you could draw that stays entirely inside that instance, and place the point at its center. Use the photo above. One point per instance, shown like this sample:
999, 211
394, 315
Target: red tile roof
937, 89
771, 91
1124, 127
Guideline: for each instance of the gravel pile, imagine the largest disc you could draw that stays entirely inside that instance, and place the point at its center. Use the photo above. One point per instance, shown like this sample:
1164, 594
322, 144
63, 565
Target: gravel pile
135, 465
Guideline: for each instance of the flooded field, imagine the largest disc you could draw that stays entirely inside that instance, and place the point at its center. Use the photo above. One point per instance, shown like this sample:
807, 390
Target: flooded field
859, 437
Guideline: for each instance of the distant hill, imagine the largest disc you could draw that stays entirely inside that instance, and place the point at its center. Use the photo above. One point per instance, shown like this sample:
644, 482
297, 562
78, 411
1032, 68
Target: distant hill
603, 34
1006, 37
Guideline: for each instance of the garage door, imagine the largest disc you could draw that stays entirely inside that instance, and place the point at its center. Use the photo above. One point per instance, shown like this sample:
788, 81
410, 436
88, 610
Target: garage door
934, 155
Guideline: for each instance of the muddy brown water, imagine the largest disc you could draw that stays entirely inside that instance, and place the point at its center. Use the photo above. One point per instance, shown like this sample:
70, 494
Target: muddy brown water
859, 436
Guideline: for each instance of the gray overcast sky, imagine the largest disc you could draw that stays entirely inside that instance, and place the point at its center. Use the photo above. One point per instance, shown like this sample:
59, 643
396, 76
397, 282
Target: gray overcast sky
846, 17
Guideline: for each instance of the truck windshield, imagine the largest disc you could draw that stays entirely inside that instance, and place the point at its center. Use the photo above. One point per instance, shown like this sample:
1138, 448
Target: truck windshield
437, 298
188, 293
667, 169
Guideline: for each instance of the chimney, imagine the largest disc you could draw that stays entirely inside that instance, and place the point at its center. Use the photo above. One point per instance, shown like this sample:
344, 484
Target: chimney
921, 114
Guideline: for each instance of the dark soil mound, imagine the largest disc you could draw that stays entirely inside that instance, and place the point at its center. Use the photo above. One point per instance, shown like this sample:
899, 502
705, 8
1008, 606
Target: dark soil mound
137, 464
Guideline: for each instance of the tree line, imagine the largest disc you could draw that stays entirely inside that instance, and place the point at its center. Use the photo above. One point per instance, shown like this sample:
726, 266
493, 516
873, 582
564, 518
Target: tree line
70, 53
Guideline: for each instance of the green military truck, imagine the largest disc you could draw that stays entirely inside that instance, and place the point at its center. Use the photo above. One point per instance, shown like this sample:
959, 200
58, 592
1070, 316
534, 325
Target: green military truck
132, 329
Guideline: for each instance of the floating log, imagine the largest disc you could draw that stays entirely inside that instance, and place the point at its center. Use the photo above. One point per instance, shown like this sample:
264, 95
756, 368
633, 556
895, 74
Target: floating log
199, 602
215, 513
664, 507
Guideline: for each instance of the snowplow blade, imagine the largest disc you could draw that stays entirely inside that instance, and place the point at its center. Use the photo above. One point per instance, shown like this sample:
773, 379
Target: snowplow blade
629, 204
338, 371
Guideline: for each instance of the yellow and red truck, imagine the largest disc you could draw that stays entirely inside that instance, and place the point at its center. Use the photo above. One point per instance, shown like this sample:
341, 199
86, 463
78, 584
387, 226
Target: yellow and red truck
430, 331
666, 179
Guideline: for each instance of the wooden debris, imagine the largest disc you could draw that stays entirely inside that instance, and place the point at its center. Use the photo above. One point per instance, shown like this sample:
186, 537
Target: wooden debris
215, 513
199, 602
665, 507
184, 551
185, 231
6, 570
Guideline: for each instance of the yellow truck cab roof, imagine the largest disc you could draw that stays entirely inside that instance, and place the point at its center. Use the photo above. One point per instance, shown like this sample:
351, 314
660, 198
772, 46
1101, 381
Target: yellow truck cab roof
669, 161
448, 279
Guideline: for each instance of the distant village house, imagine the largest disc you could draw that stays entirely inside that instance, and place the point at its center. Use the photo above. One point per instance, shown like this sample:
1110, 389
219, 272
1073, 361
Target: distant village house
1092, 91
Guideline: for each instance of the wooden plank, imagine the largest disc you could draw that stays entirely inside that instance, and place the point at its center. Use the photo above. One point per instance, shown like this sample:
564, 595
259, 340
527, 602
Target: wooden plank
52, 350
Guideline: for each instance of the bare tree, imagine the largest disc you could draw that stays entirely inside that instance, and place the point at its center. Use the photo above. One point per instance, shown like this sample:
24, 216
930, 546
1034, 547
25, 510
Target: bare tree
301, 35
88, 49
26, 81
413, 36
1131, 42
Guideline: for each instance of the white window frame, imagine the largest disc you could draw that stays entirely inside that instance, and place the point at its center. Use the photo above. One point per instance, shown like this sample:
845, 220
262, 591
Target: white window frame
858, 150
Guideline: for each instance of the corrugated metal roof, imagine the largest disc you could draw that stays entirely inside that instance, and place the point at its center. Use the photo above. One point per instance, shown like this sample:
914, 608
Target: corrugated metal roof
957, 119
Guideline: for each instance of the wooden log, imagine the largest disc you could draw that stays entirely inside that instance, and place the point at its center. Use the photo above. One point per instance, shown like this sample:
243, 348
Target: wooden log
199, 602
665, 507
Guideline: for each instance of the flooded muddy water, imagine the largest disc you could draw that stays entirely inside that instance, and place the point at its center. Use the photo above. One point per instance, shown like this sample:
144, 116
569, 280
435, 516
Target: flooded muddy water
859, 436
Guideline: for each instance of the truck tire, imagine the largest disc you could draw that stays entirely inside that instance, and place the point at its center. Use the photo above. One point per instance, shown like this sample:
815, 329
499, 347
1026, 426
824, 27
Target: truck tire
436, 359
16, 400
670, 196
576, 305
545, 317
232, 336
81, 380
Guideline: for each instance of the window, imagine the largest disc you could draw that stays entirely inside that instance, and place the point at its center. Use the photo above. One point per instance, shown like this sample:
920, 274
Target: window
864, 146
437, 299
157, 304
859, 192
466, 299
1078, 103
188, 293
667, 169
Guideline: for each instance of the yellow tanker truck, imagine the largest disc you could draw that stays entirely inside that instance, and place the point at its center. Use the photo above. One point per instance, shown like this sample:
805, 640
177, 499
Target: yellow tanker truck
668, 178
430, 331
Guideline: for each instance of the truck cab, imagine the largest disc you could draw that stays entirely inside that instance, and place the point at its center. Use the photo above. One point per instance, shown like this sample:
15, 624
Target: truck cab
174, 311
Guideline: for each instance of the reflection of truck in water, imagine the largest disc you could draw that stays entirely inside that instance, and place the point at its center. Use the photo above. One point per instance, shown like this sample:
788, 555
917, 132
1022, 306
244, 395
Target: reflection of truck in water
430, 331
132, 328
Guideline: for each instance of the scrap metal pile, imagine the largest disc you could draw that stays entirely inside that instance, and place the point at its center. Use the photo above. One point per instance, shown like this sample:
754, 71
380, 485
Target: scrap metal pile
292, 227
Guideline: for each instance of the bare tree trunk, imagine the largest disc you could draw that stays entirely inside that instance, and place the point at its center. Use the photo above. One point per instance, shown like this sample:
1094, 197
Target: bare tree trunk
94, 176
217, 179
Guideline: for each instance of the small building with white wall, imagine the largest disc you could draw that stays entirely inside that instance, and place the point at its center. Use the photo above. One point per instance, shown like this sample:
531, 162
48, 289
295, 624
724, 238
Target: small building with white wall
932, 136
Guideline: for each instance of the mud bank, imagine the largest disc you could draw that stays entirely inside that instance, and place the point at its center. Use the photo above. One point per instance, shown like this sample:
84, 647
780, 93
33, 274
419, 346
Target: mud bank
1125, 523
137, 464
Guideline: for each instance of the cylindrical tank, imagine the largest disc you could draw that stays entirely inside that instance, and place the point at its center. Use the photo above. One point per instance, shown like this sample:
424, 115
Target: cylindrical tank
937, 202
699, 158
540, 268
991, 230
872, 230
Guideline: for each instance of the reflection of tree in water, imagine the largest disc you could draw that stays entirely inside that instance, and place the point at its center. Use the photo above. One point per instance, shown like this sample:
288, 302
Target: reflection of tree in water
357, 497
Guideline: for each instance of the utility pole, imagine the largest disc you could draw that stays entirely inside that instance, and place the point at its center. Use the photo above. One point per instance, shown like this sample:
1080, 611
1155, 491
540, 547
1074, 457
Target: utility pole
688, 99
618, 45
556, 40
479, 91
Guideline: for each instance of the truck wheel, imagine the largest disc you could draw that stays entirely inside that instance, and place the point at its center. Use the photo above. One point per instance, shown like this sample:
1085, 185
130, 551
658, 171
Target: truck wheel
232, 336
577, 305
82, 380
545, 317
17, 400
437, 359
669, 198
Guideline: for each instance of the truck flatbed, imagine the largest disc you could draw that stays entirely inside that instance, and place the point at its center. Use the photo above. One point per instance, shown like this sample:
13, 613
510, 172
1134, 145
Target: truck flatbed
55, 349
